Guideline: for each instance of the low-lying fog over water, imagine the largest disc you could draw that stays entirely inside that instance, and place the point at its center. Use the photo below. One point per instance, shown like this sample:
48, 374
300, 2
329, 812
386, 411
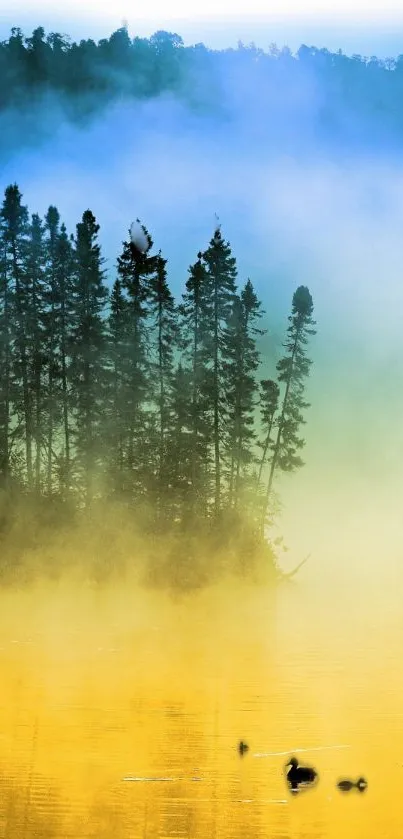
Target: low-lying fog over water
121, 711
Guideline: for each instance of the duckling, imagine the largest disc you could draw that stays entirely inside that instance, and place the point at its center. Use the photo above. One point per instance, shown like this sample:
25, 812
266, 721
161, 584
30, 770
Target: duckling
298, 776
346, 786
242, 748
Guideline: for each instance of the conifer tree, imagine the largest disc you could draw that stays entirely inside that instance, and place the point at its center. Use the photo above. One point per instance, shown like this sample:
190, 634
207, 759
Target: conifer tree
37, 358
269, 399
6, 351
194, 329
120, 368
180, 450
135, 268
64, 290
241, 365
15, 227
221, 275
163, 323
88, 350
52, 219
293, 369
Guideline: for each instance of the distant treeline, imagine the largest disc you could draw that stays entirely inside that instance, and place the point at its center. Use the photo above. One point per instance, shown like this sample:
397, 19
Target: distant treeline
129, 396
344, 96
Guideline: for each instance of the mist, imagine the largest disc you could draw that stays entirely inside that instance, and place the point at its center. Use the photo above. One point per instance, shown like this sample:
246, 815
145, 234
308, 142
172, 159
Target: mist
109, 672
295, 212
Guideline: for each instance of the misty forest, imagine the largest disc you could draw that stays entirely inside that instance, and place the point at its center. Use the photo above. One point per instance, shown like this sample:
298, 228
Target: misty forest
355, 98
114, 392
165, 407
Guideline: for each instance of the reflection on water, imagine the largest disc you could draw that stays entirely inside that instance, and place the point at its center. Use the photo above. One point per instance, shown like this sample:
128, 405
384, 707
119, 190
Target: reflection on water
121, 715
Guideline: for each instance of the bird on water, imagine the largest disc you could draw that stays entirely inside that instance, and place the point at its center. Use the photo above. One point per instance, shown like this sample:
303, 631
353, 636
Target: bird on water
299, 776
346, 786
242, 748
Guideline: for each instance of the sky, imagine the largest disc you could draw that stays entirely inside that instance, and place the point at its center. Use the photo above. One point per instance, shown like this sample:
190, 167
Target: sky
225, 8
363, 26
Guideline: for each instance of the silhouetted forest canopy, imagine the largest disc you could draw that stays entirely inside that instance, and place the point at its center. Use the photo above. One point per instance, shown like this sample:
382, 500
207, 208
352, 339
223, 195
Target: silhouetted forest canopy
115, 393
354, 99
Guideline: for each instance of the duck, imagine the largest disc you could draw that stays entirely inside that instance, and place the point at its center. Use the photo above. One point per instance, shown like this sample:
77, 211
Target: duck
298, 776
242, 748
346, 786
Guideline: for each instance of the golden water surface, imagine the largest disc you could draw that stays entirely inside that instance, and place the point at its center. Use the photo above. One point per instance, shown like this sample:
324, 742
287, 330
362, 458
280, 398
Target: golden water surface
121, 710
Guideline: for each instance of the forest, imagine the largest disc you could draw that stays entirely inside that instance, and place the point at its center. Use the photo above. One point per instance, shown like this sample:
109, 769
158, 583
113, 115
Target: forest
347, 99
112, 392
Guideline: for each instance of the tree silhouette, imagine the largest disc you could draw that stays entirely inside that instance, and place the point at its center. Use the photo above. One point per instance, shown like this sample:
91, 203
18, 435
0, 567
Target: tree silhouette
142, 401
88, 350
221, 275
293, 369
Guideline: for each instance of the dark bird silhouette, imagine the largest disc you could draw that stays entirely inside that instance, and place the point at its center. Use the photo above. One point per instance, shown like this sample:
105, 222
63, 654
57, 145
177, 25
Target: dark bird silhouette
299, 776
242, 748
346, 786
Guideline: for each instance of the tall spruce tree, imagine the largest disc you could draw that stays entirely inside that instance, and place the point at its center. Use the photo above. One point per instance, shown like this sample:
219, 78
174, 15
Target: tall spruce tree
6, 347
119, 362
194, 328
135, 269
52, 220
64, 289
58, 325
35, 326
293, 370
221, 273
180, 501
269, 400
15, 234
88, 350
165, 330
240, 366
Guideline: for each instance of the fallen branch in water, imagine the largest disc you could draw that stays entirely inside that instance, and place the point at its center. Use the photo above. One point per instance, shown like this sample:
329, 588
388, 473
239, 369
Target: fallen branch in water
291, 573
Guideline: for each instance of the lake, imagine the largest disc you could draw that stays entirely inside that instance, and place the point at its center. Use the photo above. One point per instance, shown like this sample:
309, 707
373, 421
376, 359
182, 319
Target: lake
121, 711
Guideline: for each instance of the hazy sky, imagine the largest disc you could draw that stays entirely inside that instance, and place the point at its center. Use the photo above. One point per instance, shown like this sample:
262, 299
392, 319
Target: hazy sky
223, 8
363, 26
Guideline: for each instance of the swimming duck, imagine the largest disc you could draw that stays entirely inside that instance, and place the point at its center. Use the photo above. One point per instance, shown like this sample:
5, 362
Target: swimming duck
298, 776
242, 748
346, 786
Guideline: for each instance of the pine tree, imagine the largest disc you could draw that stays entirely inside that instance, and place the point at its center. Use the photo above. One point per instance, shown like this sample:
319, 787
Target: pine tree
135, 269
221, 275
241, 365
15, 228
88, 350
6, 352
164, 325
119, 366
180, 450
58, 325
35, 332
293, 369
64, 287
52, 219
194, 328
269, 399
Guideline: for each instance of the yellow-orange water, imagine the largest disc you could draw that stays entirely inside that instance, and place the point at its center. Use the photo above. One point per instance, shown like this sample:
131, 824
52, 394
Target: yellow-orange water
99, 686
